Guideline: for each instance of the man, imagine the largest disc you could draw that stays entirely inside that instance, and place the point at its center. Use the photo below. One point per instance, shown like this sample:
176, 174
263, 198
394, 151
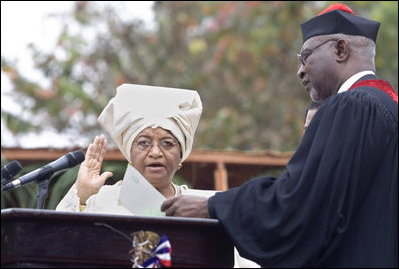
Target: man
337, 203
310, 111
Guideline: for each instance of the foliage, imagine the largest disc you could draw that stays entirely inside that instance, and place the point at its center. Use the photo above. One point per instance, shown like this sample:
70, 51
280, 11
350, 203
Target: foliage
239, 56
26, 195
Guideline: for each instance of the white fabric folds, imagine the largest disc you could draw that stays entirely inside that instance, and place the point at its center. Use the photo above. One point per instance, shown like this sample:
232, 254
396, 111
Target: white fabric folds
136, 107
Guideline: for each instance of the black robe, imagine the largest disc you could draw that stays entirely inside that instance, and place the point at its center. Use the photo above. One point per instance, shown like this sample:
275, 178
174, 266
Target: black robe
337, 203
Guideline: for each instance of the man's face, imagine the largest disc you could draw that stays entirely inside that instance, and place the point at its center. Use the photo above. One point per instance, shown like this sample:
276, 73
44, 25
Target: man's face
318, 67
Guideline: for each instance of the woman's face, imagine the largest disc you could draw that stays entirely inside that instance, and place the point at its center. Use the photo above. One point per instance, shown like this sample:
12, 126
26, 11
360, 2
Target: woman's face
156, 154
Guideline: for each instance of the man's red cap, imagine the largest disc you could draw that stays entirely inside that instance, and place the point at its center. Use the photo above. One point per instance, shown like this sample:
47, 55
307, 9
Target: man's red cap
338, 6
339, 19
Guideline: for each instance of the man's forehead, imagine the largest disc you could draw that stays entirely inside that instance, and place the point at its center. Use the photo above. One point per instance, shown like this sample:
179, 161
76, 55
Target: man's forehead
310, 42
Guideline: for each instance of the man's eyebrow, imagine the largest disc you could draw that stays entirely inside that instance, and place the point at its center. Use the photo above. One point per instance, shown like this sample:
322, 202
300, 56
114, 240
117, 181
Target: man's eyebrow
304, 50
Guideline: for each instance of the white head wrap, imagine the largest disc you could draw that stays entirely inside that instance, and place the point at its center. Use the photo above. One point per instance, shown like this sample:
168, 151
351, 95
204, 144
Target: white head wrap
136, 107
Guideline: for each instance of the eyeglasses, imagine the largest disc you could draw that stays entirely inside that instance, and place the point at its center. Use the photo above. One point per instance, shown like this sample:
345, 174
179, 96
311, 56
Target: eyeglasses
165, 145
302, 57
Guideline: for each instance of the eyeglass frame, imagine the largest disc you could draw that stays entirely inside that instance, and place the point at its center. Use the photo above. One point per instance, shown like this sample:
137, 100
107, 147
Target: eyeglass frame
159, 144
303, 60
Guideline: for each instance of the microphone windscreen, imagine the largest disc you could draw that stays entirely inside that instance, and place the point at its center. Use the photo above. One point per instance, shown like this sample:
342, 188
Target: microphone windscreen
14, 167
10, 170
77, 157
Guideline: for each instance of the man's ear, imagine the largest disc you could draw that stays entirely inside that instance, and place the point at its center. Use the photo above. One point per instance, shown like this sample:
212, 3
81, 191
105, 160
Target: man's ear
342, 50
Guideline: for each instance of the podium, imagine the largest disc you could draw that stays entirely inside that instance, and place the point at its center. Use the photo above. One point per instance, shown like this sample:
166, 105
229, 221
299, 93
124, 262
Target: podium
47, 238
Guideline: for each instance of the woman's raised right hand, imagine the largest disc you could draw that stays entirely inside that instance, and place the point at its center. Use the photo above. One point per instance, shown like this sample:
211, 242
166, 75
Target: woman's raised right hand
89, 180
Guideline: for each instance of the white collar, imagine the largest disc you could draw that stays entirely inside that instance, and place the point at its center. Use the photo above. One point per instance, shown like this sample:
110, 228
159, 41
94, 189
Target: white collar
350, 81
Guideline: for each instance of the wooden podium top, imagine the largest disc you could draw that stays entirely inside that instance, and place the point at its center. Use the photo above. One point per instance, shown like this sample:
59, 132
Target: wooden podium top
48, 238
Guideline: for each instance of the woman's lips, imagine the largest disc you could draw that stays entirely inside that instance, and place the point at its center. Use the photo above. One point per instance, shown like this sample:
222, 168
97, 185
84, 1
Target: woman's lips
155, 167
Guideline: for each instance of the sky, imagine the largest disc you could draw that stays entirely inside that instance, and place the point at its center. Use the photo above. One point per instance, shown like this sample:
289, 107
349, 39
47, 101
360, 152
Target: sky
24, 22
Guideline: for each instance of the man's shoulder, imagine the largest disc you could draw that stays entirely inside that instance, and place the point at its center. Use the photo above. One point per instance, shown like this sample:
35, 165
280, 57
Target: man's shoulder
364, 95
369, 95
366, 101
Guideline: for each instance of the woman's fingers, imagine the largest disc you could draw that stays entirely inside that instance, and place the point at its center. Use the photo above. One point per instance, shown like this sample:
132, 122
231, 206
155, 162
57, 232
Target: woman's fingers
104, 176
97, 148
103, 149
89, 152
95, 152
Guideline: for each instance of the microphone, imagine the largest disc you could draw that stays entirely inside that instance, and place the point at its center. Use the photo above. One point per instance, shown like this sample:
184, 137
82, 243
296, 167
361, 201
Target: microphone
10, 170
67, 161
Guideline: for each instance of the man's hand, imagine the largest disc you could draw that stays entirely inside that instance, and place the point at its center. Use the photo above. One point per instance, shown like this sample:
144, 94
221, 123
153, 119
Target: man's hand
186, 206
89, 180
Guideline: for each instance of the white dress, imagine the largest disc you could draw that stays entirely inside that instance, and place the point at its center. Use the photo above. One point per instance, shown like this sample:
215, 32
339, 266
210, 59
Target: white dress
106, 201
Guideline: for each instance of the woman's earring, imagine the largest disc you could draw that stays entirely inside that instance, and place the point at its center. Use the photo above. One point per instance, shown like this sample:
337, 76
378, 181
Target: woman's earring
180, 166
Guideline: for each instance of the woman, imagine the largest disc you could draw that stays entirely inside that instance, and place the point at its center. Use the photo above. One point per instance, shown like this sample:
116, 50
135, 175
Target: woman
154, 129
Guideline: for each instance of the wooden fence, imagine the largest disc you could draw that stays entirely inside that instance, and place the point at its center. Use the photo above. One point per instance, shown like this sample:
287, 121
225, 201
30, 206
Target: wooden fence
203, 169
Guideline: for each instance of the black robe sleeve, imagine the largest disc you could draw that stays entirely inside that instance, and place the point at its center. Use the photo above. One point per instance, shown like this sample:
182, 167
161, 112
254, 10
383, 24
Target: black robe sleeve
337, 203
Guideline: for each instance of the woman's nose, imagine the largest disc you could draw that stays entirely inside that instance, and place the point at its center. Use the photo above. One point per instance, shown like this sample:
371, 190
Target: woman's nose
155, 150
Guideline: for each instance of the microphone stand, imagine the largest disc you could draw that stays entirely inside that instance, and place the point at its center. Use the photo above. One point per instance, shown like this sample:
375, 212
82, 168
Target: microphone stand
43, 192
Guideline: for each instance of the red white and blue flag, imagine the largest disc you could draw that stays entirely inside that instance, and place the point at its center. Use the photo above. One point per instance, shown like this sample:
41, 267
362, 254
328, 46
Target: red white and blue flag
160, 255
